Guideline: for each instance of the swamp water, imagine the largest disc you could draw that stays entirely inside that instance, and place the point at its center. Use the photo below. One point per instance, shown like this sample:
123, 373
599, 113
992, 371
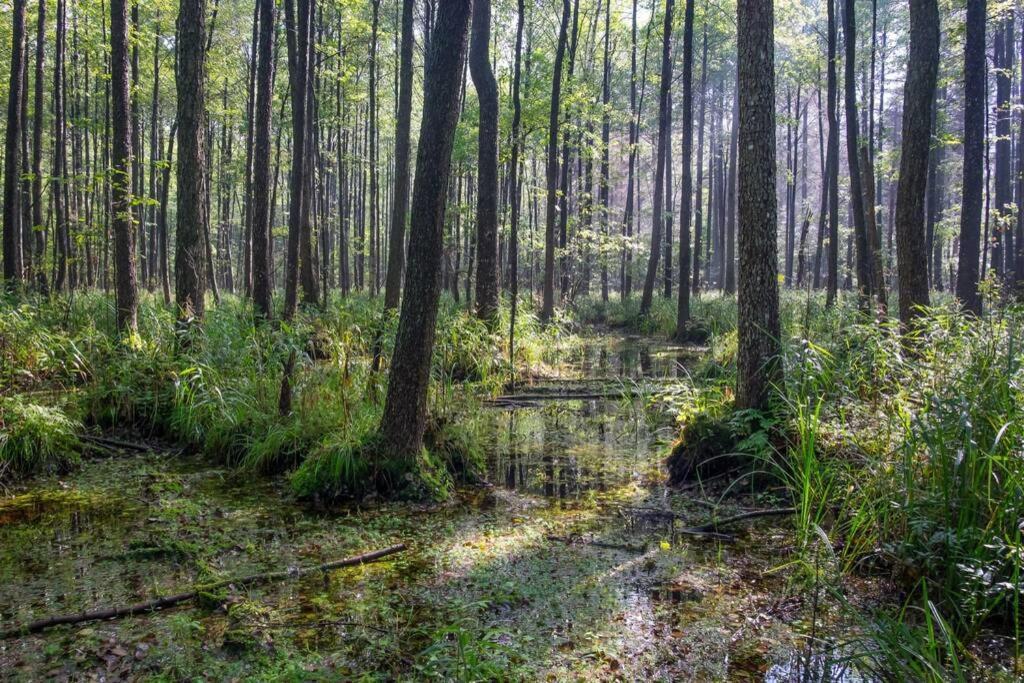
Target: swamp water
546, 574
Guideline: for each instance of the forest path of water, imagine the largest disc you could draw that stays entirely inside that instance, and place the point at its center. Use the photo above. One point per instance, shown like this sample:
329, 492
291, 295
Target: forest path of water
543, 574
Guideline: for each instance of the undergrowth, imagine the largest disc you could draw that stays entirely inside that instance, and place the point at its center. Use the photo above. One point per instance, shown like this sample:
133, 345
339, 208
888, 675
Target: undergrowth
216, 388
904, 452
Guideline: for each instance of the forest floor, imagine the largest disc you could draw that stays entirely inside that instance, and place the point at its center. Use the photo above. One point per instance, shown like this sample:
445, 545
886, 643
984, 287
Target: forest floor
550, 572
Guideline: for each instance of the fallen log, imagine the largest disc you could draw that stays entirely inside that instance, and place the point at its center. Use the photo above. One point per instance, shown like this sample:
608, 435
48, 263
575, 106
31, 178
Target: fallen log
170, 600
751, 514
108, 442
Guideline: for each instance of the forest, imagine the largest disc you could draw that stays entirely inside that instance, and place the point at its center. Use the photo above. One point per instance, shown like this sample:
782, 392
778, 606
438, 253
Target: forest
483, 340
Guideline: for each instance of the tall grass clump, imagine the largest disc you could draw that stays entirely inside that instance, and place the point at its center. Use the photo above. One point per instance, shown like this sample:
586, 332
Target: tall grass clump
36, 439
918, 457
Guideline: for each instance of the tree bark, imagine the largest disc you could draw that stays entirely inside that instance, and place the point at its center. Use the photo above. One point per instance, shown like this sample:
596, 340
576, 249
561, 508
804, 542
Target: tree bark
548, 305
400, 204
404, 419
190, 266
832, 164
918, 99
758, 365
975, 76
487, 163
686, 179
664, 106
126, 288
262, 290
13, 259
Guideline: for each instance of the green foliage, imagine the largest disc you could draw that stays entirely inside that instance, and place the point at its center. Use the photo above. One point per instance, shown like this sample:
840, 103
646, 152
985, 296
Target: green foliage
36, 438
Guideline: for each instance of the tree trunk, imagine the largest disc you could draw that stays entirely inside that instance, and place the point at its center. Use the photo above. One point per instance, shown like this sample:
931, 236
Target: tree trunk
487, 164
548, 306
126, 288
262, 290
190, 265
698, 216
400, 205
686, 180
975, 76
13, 263
38, 228
404, 419
832, 164
918, 98
604, 190
514, 190
659, 168
758, 366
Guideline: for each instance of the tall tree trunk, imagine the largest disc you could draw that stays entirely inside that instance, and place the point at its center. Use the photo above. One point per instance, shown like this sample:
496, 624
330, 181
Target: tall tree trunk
487, 163
757, 362
38, 228
731, 189
373, 159
400, 205
296, 31
61, 230
190, 259
664, 104
918, 99
626, 276
604, 191
404, 420
13, 263
864, 285
686, 180
126, 289
974, 163
698, 216
548, 306
515, 199
832, 164
263, 109
1003, 190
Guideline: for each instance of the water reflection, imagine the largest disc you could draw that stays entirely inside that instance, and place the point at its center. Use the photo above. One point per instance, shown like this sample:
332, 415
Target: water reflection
552, 444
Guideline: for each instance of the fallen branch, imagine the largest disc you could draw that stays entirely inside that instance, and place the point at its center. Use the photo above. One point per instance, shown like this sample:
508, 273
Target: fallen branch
171, 600
107, 442
570, 540
752, 514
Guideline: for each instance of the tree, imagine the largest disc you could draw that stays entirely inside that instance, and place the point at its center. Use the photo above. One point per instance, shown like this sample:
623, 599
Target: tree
758, 331
603, 192
404, 420
190, 264
974, 160
664, 105
686, 180
831, 184
487, 163
39, 245
918, 99
262, 292
551, 172
864, 285
400, 200
297, 29
514, 190
698, 215
126, 287
13, 265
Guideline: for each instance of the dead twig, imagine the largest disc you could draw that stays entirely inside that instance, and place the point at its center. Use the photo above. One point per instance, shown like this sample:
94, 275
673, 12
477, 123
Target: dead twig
166, 601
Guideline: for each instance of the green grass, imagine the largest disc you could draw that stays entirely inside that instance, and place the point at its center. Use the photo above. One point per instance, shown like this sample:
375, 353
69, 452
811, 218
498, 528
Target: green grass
35, 438
907, 454
219, 393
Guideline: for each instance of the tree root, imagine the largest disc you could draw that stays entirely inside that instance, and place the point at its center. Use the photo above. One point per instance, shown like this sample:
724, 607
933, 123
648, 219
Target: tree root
170, 600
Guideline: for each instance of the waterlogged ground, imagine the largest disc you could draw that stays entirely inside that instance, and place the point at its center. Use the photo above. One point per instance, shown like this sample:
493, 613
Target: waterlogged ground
549, 574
